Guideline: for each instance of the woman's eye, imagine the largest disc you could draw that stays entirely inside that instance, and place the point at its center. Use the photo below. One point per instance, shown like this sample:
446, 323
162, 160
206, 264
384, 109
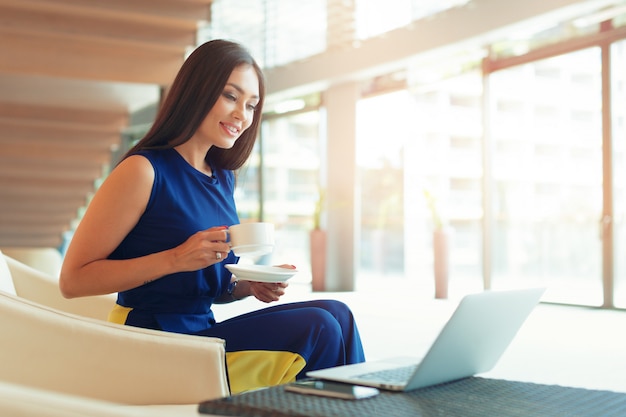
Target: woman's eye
251, 107
230, 96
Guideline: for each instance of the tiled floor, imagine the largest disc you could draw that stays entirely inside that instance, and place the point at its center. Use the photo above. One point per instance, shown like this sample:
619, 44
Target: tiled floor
557, 345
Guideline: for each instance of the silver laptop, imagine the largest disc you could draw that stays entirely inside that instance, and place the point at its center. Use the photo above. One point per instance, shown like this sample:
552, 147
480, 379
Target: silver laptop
472, 341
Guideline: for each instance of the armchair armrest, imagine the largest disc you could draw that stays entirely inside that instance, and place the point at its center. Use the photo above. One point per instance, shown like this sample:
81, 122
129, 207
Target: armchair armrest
41, 288
49, 349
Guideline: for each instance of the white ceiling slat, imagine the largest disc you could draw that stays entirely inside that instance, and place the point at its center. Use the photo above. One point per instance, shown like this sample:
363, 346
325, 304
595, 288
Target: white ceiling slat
26, 167
97, 39
35, 154
12, 113
41, 230
75, 140
20, 240
79, 185
60, 174
179, 9
84, 22
33, 205
38, 241
42, 205
75, 100
46, 215
90, 59
36, 219
51, 135
52, 194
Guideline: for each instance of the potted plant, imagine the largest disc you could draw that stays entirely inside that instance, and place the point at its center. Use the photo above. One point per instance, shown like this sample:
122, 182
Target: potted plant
318, 245
441, 247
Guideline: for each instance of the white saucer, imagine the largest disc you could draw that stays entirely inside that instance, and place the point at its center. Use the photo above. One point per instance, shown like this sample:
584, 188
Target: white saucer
261, 273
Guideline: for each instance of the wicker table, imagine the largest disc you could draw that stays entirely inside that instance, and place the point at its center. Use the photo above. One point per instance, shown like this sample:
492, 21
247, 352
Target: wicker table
470, 397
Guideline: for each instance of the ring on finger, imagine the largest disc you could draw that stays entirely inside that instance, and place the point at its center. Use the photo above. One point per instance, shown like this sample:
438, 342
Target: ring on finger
218, 255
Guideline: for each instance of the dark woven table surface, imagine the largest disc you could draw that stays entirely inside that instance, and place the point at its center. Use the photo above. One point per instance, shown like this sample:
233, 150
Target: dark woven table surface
470, 397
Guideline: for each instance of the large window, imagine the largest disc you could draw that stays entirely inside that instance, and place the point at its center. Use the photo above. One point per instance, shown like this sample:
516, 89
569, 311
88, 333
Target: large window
276, 31
546, 190
445, 164
419, 158
282, 185
546, 133
381, 138
618, 123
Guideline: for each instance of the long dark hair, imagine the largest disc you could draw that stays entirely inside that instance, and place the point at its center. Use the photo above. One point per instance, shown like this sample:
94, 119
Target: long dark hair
196, 88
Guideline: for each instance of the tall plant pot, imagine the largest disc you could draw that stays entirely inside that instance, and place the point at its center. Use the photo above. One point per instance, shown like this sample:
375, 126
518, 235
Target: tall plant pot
318, 259
441, 249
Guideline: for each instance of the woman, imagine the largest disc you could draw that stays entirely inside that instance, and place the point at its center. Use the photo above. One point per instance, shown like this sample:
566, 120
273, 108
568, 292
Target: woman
155, 232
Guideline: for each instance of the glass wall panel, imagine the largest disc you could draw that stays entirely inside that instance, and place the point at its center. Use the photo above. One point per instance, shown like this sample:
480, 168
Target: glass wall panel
382, 134
248, 188
618, 123
295, 30
375, 17
410, 145
291, 149
276, 31
444, 160
546, 126
240, 20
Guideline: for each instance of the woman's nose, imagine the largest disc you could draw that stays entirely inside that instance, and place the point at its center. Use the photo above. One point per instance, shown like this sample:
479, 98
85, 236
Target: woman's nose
239, 113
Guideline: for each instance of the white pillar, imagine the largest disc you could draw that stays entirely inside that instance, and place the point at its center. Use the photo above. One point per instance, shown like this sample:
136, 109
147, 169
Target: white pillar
341, 179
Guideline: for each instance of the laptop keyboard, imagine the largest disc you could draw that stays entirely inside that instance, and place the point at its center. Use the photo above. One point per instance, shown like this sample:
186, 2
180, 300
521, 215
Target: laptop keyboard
395, 375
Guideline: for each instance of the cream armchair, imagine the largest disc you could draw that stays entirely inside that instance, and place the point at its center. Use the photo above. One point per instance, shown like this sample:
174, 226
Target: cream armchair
53, 350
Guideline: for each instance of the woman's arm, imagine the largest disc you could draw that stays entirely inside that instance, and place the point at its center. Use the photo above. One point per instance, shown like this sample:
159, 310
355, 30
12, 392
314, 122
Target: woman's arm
111, 215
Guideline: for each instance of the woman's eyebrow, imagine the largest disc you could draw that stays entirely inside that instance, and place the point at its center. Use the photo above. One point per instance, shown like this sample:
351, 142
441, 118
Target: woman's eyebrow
241, 90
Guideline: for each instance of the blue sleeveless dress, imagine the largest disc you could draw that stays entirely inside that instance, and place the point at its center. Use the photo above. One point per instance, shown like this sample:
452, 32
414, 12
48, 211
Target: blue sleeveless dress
267, 347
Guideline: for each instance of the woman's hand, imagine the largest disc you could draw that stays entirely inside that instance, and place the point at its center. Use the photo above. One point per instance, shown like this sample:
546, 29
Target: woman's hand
268, 292
204, 248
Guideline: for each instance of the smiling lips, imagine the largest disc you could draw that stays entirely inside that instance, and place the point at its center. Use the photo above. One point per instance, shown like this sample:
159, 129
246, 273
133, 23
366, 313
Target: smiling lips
232, 129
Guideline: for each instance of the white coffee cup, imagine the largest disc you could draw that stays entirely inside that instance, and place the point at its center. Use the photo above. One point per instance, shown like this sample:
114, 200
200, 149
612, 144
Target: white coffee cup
252, 239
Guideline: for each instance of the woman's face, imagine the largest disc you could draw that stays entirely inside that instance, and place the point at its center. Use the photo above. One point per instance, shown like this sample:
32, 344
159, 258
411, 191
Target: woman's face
234, 110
